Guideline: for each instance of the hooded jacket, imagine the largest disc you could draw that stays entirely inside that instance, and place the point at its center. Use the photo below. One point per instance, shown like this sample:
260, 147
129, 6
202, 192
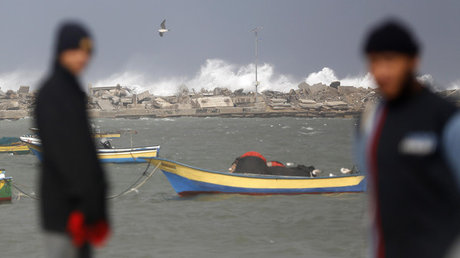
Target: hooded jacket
409, 148
71, 177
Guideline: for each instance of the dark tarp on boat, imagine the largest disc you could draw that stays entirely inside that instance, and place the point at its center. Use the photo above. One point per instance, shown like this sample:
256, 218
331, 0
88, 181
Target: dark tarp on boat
256, 165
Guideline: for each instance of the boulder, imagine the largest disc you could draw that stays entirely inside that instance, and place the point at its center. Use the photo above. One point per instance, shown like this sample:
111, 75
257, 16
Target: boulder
217, 91
336, 104
303, 86
125, 100
318, 88
105, 104
314, 106
144, 96
23, 90
11, 94
335, 84
307, 101
184, 106
115, 100
347, 90
9, 105
122, 93
239, 92
106, 96
226, 92
161, 103
278, 100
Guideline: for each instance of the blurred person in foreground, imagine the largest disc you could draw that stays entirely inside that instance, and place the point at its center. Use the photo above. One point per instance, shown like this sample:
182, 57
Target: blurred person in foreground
409, 145
72, 182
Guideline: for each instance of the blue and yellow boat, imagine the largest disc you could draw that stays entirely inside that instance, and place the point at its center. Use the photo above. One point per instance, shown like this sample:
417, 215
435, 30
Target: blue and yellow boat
13, 145
189, 180
125, 155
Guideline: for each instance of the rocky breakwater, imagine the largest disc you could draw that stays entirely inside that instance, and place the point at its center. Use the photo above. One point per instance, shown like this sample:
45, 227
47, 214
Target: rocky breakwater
321, 100
16, 104
317, 100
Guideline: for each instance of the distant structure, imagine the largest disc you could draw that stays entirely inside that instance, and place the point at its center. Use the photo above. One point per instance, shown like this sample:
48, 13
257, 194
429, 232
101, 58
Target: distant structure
163, 29
256, 34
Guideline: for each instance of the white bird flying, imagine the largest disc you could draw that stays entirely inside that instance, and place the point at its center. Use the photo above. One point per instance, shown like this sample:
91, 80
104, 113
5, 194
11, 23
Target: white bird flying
163, 29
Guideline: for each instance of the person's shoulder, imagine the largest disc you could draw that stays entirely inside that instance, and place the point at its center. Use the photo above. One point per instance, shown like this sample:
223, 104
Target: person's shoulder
46, 88
434, 100
440, 108
49, 92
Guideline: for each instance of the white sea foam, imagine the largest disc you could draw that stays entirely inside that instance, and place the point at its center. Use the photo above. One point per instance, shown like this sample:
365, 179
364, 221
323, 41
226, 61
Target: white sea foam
213, 73
454, 85
12, 80
426, 79
327, 76
219, 73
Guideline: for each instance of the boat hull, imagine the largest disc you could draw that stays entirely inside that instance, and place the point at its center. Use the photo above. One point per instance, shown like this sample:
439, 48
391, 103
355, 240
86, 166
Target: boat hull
5, 190
16, 149
107, 135
130, 155
187, 180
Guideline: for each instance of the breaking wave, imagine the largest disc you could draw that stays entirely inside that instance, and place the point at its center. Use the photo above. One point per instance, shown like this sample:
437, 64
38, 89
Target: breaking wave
12, 80
218, 73
213, 73
454, 85
327, 76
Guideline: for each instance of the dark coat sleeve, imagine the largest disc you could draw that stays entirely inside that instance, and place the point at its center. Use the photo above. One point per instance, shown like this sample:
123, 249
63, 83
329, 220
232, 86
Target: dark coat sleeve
69, 148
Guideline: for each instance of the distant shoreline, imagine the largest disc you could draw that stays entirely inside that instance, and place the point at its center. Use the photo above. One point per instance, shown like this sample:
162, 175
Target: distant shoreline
311, 101
227, 113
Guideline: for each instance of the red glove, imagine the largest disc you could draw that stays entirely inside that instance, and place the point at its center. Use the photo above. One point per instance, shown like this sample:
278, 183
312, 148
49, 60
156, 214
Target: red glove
76, 228
80, 233
98, 233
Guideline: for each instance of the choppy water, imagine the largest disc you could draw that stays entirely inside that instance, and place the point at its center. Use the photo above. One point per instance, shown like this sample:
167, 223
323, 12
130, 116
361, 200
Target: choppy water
157, 223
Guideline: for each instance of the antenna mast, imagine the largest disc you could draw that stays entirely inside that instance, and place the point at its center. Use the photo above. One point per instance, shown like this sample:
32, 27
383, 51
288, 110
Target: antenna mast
256, 34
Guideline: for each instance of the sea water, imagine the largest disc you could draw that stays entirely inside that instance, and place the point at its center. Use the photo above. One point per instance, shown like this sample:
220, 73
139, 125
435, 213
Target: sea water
155, 222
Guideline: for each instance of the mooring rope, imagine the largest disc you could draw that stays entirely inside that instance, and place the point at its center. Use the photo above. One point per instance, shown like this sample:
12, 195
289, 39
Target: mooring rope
133, 187
136, 185
30, 195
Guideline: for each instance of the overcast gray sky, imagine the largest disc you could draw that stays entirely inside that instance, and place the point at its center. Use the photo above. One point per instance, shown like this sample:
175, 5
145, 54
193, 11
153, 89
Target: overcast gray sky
298, 37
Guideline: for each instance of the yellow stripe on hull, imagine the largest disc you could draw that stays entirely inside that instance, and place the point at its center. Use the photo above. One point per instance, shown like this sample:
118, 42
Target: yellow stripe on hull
152, 153
107, 135
114, 157
255, 181
17, 148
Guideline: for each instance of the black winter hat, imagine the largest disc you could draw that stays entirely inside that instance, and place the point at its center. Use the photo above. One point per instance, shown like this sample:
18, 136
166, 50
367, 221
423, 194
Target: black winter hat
72, 35
392, 36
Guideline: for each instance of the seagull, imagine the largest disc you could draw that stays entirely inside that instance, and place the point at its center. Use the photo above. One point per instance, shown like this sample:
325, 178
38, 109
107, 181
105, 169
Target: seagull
163, 29
316, 172
345, 171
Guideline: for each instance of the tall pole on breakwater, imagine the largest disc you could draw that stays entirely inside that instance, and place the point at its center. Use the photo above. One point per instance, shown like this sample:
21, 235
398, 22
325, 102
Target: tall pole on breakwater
256, 34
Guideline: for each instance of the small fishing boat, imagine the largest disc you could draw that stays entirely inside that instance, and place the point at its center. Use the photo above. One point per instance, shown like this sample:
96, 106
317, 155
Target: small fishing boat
107, 135
96, 133
189, 180
119, 155
5, 187
13, 145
